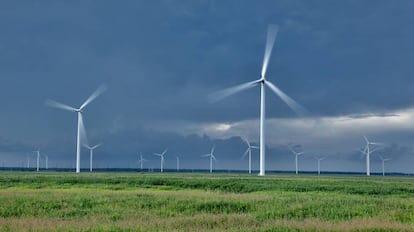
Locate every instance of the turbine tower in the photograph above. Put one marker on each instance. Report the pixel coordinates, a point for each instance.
(271, 37)
(319, 159)
(28, 161)
(46, 161)
(297, 154)
(91, 148)
(81, 127)
(211, 155)
(37, 159)
(249, 151)
(161, 158)
(178, 163)
(383, 164)
(141, 161)
(367, 151)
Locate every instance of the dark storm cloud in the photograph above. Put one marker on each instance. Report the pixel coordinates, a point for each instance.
(160, 60)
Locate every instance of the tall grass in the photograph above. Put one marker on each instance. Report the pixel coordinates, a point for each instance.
(186, 202)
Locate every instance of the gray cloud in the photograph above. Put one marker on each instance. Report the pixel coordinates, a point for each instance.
(348, 62)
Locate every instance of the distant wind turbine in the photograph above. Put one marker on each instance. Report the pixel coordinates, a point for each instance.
(81, 127)
(319, 159)
(297, 154)
(249, 152)
(37, 160)
(211, 155)
(367, 152)
(91, 149)
(162, 159)
(383, 164)
(178, 163)
(271, 37)
(141, 161)
(46, 161)
(28, 161)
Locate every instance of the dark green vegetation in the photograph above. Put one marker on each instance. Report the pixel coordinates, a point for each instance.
(197, 202)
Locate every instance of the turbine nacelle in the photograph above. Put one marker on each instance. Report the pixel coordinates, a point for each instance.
(262, 79)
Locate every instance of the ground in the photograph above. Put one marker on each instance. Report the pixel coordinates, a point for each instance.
(57, 201)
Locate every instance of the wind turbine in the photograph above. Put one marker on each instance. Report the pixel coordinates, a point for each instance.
(178, 163)
(38, 159)
(211, 157)
(46, 161)
(271, 37)
(28, 161)
(81, 127)
(383, 164)
(249, 151)
(367, 151)
(162, 158)
(91, 148)
(297, 154)
(141, 161)
(319, 159)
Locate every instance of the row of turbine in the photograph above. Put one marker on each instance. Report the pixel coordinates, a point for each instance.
(271, 37)
(296, 107)
(38, 156)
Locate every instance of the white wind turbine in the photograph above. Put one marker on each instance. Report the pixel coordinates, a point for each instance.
(297, 154)
(383, 164)
(81, 128)
(91, 149)
(28, 161)
(367, 151)
(249, 151)
(37, 160)
(46, 161)
(319, 159)
(161, 158)
(271, 37)
(141, 161)
(178, 163)
(211, 155)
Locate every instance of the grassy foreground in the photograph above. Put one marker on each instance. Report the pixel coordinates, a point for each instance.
(200, 202)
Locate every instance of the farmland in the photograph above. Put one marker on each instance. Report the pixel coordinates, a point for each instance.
(54, 201)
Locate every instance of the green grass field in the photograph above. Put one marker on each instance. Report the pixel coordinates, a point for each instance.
(202, 202)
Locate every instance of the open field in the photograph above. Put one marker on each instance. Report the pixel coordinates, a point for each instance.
(199, 202)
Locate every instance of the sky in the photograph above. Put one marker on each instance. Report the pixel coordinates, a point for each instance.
(349, 63)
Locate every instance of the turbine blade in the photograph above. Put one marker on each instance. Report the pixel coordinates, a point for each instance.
(255, 147)
(94, 95)
(165, 151)
(245, 153)
(59, 105)
(214, 158)
(375, 143)
(366, 140)
(206, 155)
(157, 154)
(298, 109)
(246, 141)
(212, 149)
(98, 145)
(270, 40)
(219, 95)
